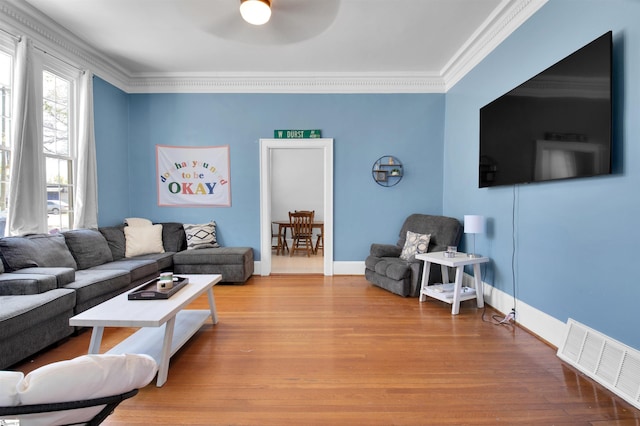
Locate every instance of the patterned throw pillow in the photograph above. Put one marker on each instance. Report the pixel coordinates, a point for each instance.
(201, 236)
(414, 244)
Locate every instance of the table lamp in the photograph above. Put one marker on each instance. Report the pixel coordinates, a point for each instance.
(473, 224)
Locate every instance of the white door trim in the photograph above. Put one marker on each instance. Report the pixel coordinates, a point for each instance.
(266, 146)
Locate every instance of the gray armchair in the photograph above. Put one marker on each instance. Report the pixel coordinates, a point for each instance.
(384, 267)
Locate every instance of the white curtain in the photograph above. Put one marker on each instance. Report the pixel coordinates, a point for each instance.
(86, 193)
(27, 195)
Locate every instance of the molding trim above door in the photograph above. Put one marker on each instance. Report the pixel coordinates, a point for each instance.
(266, 146)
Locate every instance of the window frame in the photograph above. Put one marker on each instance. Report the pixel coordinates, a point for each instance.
(62, 70)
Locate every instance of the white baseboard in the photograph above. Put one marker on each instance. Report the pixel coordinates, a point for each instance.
(536, 321)
(339, 268)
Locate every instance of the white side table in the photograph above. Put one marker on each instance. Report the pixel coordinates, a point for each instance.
(451, 293)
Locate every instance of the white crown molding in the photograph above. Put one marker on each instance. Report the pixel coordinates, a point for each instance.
(288, 83)
(506, 18)
(23, 19)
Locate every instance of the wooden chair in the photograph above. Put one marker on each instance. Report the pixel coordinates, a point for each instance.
(301, 231)
(319, 242)
(280, 240)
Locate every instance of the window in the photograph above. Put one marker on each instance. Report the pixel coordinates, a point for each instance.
(5, 135)
(57, 103)
(58, 92)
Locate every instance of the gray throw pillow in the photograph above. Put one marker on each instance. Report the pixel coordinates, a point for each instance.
(88, 247)
(116, 240)
(173, 237)
(36, 250)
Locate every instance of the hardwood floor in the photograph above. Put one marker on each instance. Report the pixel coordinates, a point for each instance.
(315, 350)
(297, 264)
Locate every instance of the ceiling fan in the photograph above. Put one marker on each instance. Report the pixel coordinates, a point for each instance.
(291, 21)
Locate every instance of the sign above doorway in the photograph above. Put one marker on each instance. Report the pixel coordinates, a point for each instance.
(296, 134)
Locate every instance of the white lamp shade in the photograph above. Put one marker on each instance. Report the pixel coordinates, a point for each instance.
(473, 224)
(255, 12)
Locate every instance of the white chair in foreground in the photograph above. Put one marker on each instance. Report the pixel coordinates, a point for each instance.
(84, 390)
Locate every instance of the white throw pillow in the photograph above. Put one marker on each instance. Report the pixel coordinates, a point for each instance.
(9, 381)
(84, 377)
(137, 221)
(414, 244)
(143, 240)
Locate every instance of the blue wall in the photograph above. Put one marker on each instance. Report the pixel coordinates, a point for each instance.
(111, 113)
(576, 242)
(364, 127)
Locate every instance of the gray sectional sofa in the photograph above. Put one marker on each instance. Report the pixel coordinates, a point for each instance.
(46, 279)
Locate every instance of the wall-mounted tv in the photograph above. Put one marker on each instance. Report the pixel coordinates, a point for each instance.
(557, 125)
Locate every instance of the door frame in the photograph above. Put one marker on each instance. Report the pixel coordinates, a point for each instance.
(266, 148)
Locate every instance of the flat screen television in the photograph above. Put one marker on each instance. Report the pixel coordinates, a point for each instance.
(557, 125)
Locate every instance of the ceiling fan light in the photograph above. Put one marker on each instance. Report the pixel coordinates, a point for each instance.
(255, 12)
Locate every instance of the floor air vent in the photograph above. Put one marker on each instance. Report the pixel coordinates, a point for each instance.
(607, 361)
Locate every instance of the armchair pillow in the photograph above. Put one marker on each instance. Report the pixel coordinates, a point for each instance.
(414, 244)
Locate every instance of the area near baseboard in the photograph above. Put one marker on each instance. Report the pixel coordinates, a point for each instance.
(607, 361)
(537, 322)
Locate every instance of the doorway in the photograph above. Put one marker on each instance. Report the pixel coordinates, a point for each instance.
(267, 147)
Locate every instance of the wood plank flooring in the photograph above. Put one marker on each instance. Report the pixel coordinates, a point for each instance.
(315, 350)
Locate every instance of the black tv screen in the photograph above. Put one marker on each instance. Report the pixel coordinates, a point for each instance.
(557, 125)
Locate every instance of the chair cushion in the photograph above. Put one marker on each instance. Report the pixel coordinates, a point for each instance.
(143, 240)
(9, 388)
(81, 378)
(201, 236)
(393, 267)
(415, 243)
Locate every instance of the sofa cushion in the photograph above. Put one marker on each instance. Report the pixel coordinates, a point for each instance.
(88, 247)
(35, 250)
(91, 284)
(201, 236)
(137, 268)
(213, 256)
(164, 260)
(63, 276)
(20, 313)
(415, 243)
(115, 238)
(173, 237)
(143, 240)
(14, 283)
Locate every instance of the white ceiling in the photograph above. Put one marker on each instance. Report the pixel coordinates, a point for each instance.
(160, 38)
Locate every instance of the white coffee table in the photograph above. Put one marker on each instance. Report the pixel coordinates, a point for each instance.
(150, 315)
